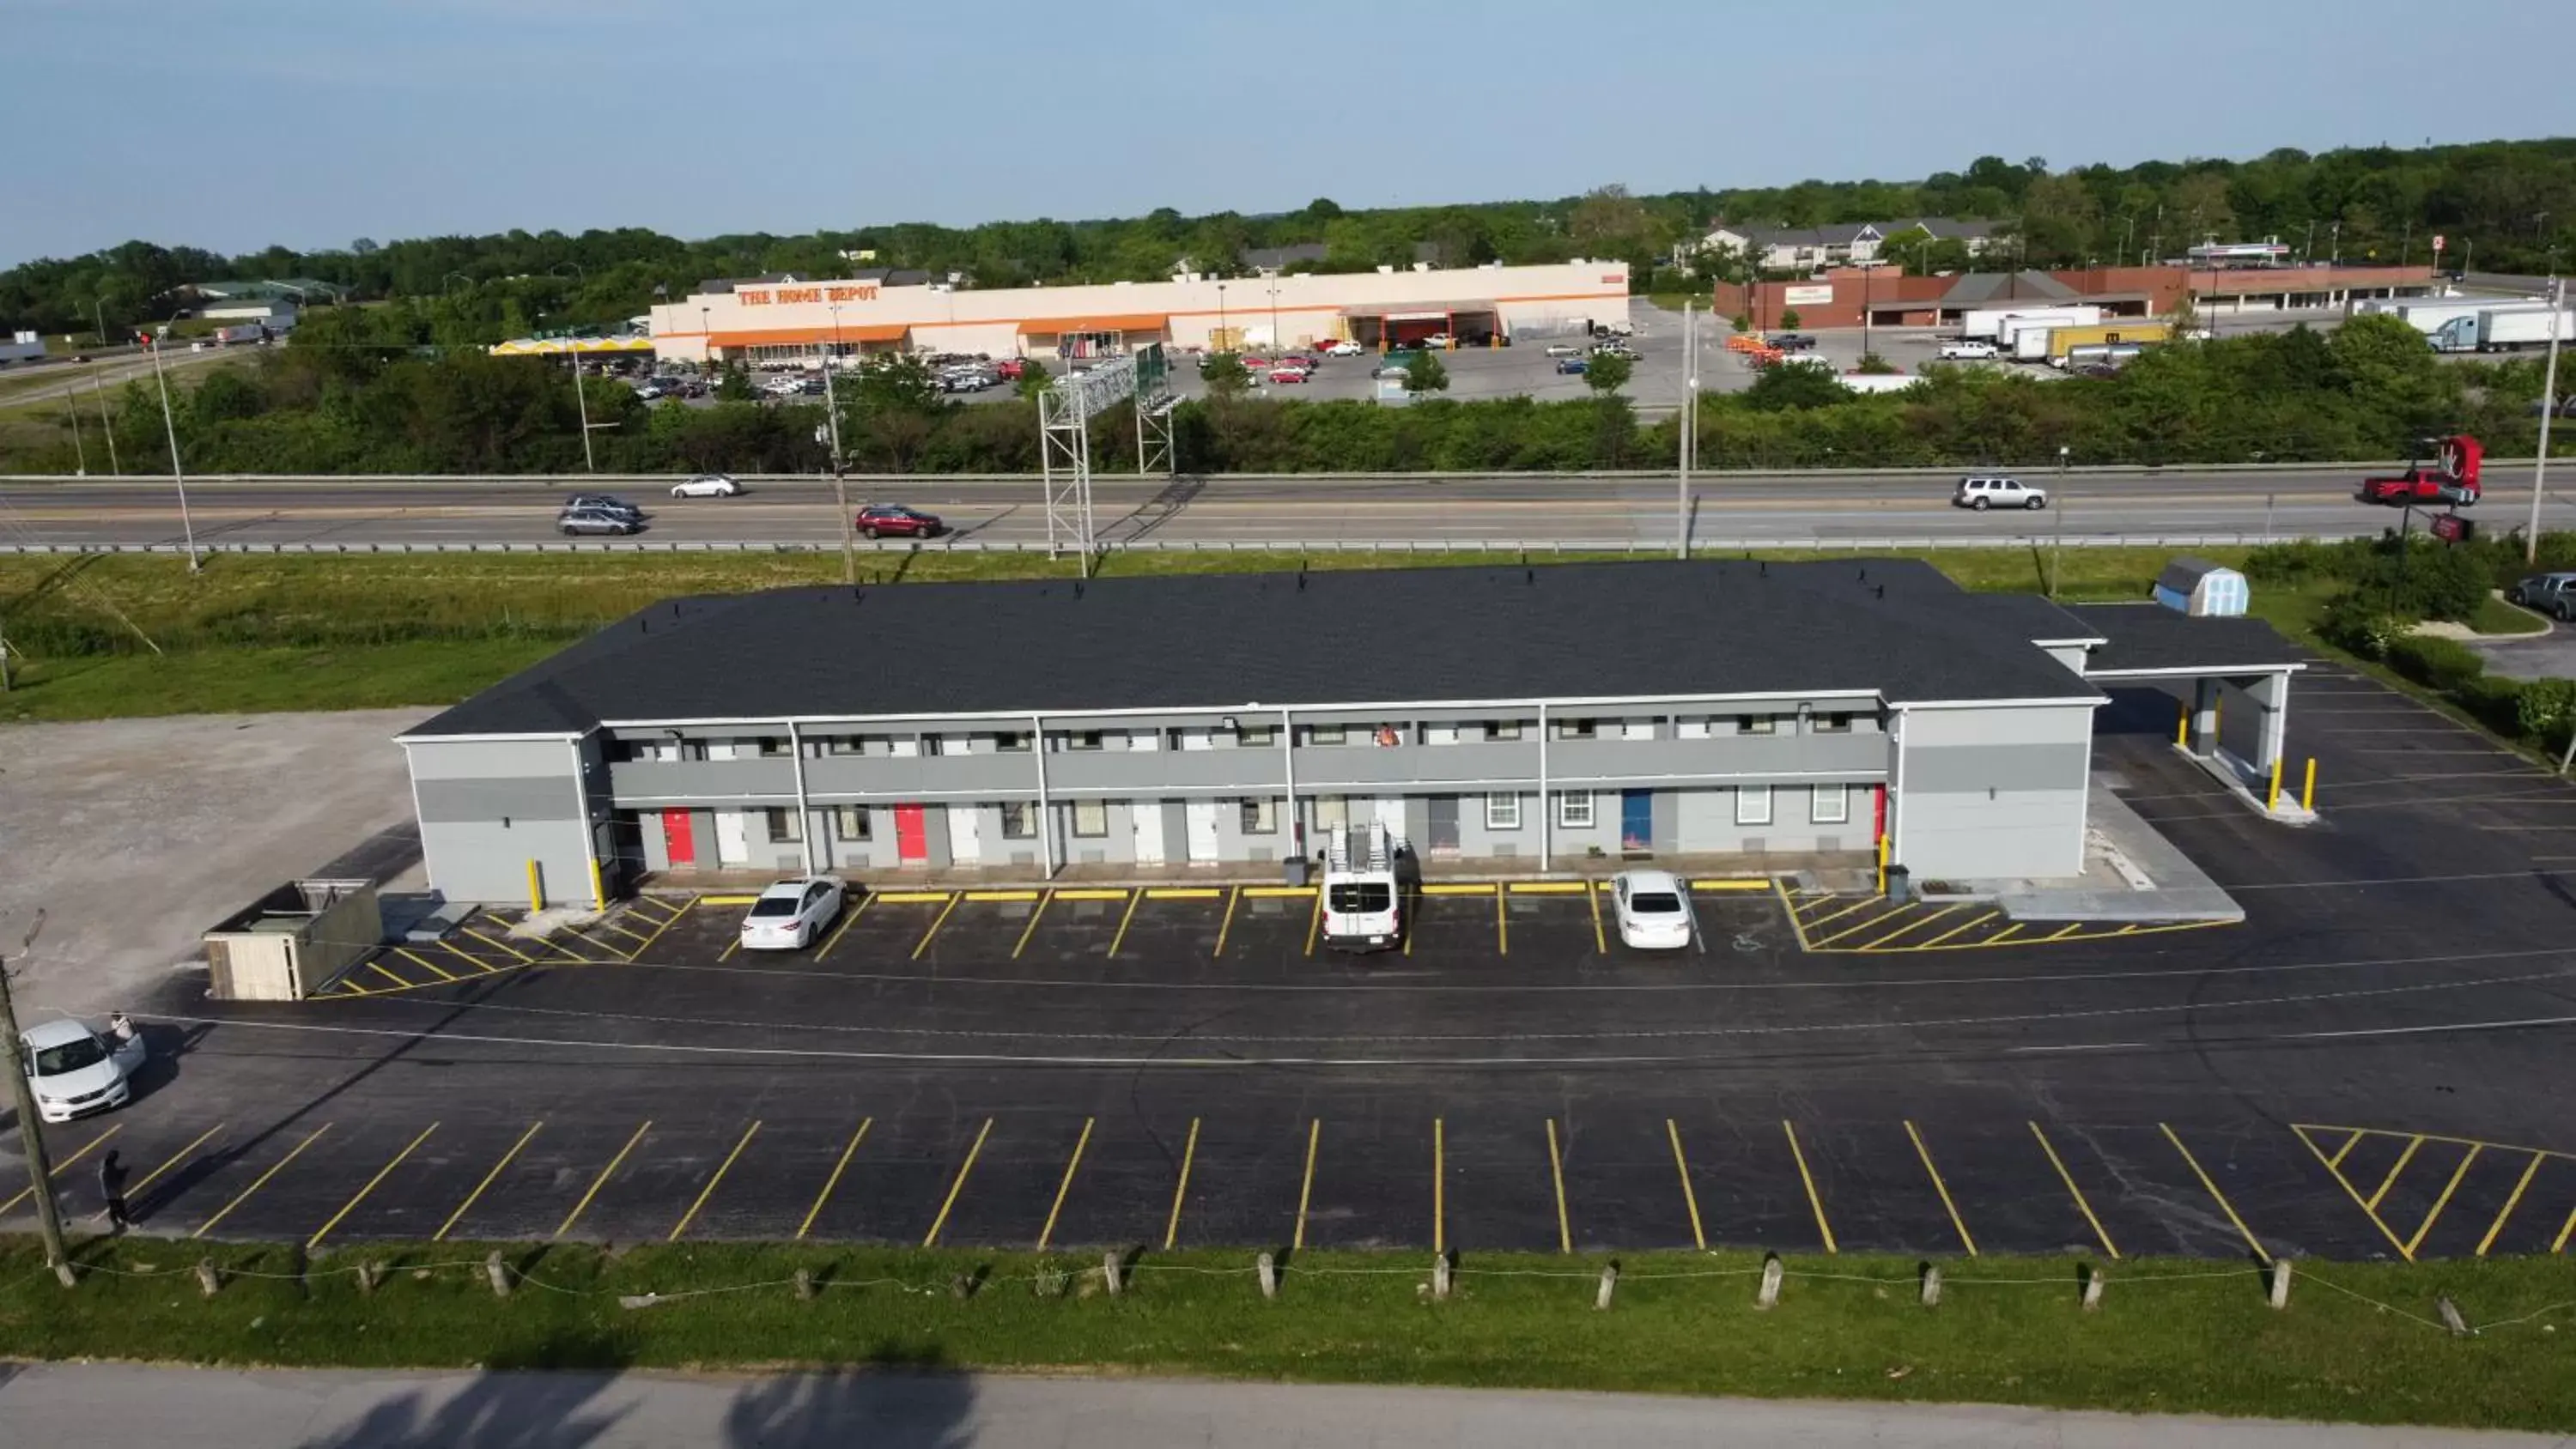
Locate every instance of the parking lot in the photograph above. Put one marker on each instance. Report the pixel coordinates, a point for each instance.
(2368, 1066)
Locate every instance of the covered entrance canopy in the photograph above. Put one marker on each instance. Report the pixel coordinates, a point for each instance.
(1395, 324)
(2231, 674)
(1106, 335)
(771, 344)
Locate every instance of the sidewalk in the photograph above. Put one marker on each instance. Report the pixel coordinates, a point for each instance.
(2131, 873)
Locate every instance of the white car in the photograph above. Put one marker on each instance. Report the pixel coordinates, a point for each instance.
(1981, 494)
(1563, 349)
(1969, 351)
(1343, 348)
(76, 1071)
(1438, 339)
(707, 485)
(1653, 909)
(790, 914)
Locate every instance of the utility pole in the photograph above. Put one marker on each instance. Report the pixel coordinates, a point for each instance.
(2548, 410)
(105, 424)
(840, 478)
(80, 451)
(1688, 435)
(588, 464)
(178, 475)
(2057, 518)
(40, 1167)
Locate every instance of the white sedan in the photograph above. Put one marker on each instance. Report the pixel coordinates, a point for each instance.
(791, 913)
(1343, 348)
(1563, 349)
(1653, 908)
(707, 485)
(76, 1071)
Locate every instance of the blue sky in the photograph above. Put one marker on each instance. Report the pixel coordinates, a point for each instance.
(238, 123)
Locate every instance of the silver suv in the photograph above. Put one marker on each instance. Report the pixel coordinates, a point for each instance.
(596, 520)
(1991, 492)
(2553, 594)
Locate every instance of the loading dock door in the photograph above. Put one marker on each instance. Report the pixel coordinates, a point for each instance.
(679, 840)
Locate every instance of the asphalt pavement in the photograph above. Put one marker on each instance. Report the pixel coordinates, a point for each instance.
(267, 1409)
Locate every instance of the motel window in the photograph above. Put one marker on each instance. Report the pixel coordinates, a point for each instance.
(1836, 723)
(1757, 724)
(768, 746)
(1019, 820)
(1261, 816)
(1574, 810)
(784, 824)
(1083, 740)
(1503, 729)
(1577, 729)
(1011, 742)
(1753, 805)
(850, 822)
(1325, 734)
(843, 745)
(1691, 727)
(1502, 812)
(1261, 736)
(1832, 806)
(1091, 818)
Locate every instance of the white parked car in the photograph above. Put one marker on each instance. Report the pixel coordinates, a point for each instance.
(790, 914)
(76, 1071)
(1438, 339)
(1653, 909)
(1343, 348)
(1984, 493)
(1968, 351)
(1563, 349)
(707, 485)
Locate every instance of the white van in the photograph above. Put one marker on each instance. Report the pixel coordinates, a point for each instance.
(1363, 904)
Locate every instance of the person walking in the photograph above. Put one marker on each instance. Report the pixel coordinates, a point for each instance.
(111, 1186)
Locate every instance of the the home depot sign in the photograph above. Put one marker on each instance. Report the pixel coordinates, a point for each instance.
(782, 296)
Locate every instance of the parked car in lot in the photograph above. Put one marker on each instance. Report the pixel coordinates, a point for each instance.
(1793, 342)
(1573, 365)
(2553, 594)
(1285, 373)
(1400, 360)
(1653, 910)
(707, 485)
(893, 520)
(1439, 339)
(1010, 369)
(574, 521)
(1563, 349)
(1614, 348)
(1991, 492)
(1344, 348)
(601, 503)
(791, 913)
(1967, 350)
(75, 1071)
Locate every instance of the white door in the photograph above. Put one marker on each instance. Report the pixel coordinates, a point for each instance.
(1148, 815)
(965, 833)
(1198, 739)
(1390, 813)
(733, 842)
(1202, 831)
(905, 745)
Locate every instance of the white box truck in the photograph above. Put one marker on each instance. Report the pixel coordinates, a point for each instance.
(2029, 341)
(2431, 317)
(2500, 330)
(1988, 322)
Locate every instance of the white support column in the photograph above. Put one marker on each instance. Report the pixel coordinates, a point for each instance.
(1546, 807)
(589, 838)
(1046, 814)
(2276, 721)
(1896, 796)
(1288, 762)
(804, 811)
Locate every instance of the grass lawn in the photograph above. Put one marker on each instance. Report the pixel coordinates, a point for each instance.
(302, 632)
(2178, 1336)
(2498, 619)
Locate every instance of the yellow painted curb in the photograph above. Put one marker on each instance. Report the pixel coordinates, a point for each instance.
(727, 900)
(1547, 887)
(1183, 893)
(1001, 895)
(1731, 884)
(1484, 889)
(911, 898)
(1275, 892)
(1091, 895)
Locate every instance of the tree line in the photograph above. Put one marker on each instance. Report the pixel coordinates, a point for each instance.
(2507, 206)
(366, 392)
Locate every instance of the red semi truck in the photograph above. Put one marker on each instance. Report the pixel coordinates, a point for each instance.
(2451, 478)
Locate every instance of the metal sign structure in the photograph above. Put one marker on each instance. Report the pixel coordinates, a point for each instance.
(1065, 411)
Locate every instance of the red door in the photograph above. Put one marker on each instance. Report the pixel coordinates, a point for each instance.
(679, 839)
(911, 836)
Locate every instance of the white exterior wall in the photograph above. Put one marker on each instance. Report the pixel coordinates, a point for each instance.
(1995, 791)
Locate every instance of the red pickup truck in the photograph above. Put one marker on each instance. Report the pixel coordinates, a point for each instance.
(2451, 478)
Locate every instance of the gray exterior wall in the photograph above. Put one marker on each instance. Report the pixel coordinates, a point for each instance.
(1993, 792)
(488, 807)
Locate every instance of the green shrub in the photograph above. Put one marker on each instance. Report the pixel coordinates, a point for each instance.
(2444, 664)
(2424, 579)
(2494, 701)
(2544, 709)
(2307, 558)
(2356, 622)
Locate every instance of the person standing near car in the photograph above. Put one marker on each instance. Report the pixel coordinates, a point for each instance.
(112, 1175)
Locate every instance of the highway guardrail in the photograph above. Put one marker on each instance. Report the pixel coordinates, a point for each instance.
(1699, 546)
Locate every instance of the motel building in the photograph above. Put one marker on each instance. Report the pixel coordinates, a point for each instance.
(789, 319)
(1496, 720)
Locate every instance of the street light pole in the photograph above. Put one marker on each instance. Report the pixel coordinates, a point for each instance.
(2548, 410)
(40, 1168)
(1687, 436)
(105, 424)
(178, 475)
(840, 478)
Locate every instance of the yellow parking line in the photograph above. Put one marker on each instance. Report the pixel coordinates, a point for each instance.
(2441, 1202)
(910, 898)
(488, 941)
(2006, 934)
(476, 965)
(1849, 931)
(1030, 929)
(1545, 887)
(400, 982)
(931, 1239)
(709, 1190)
(1315, 923)
(324, 1231)
(2348, 1144)
(834, 1180)
(1232, 899)
(2335, 1171)
(506, 1157)
(1824, 1228)
(1124, 917)
(621, 930)
(1942, 1188)
(175, 1158)
(1185, 893)
(1690, 1199)
(1864, 903)
(1502, 928)
(1278, 892)
(1787, 908)
(2511, 1201)
(1733, 883)
(2394, 1168)
(1959, 930)
(1875, 942)
(936, 922)
(1439, 1188)
(77, 1154)
(1106, 893)
(1047, 1234)
(1556, 1170)
(668, 922)
(2559, 1243)
(261, 1181)
(601, 1181)
(1600, 941)
(426, 964)
(1306, 1187)
(728, 900)
(2077, 1193)
(1181, 1189)
(2215, 1195)
(1409, 920)
(849, 918)
(2066, 931)
(1461, 888)
(1001, 895)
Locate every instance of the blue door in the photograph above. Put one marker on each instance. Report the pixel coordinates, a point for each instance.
(1636, 820)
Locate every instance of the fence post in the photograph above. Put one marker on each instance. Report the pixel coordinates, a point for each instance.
(2280, 1282)
(1268, 1268)
(1440, 1277)
(2092, 1287)
(2451, 1318)
(370, 1274)
(1113, 1273)
(498, 1273)
(1931, 1285)
(804, 1285)
(1609, 1284)
(1769, 1294)
(208, 1280)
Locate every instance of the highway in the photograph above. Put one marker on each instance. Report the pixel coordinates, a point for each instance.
(1321, 511)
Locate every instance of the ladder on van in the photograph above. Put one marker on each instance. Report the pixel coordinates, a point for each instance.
(1380, 850)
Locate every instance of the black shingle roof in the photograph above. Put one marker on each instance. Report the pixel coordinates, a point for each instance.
(2151, 636)
(1893, 627)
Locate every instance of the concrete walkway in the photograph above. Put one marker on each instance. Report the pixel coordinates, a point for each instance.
(56, 1404)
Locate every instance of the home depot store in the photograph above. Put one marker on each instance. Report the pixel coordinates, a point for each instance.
(1840, 296)
(787, 318)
